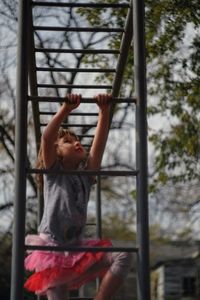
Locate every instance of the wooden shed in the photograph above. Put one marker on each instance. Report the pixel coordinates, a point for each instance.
(176, 279)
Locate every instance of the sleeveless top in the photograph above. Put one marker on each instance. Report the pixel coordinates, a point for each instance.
(65, 204)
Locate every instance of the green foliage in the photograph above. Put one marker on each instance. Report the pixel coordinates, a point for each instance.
(173, 69)
(156, 234)
(175, 82)
(173, 86)
(115, 228)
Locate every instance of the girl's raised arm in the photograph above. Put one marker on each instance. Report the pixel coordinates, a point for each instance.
(50, 134)
(101, 134)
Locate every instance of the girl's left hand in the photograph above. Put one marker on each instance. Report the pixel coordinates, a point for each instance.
(72, 102)
(103, 101)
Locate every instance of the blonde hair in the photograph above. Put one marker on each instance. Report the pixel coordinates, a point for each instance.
(40, 160)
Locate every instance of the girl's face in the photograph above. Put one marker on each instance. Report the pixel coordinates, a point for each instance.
(70, 150)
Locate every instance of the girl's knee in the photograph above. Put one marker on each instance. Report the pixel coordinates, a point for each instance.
(122, 263)
(123, 257)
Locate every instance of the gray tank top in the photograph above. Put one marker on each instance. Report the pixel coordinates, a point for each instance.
(65, 204)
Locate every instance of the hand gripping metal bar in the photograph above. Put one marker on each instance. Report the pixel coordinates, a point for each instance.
(83, 100)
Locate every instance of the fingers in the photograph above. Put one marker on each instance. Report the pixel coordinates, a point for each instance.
(73, 98)
(72, 101)
(103, 99)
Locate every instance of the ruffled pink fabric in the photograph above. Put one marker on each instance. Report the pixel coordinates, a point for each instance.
(56, 268)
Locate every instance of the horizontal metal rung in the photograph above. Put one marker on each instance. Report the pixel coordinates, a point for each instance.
(83, 51)
(82, 249)
(86, 4)
(83, 100)
(85, 172)
(81, 298)
(78, 29)
(51, 113)
(71, 70)
(90, 224)
(82, 136)
(73, 125)
(75, 86)
(84, 114)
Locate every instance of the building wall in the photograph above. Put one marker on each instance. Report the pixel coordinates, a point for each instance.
(157, 284)
(177, 280)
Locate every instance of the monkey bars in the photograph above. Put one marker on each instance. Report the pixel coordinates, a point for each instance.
(28, 89)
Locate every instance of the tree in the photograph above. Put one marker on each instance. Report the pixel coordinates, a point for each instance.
(173, 50)
(173, 55)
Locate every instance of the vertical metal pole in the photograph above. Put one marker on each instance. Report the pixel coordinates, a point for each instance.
(98, 209)
(17, 277)
(98, 218)
(141, 149)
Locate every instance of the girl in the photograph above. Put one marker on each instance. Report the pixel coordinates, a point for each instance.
(66, 197)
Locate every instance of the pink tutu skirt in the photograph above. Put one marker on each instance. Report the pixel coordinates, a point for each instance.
(57, 268)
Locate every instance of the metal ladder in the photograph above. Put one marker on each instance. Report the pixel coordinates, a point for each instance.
(27, 71)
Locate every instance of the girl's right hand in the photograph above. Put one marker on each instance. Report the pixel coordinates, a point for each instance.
(72, 102)
(103, 101)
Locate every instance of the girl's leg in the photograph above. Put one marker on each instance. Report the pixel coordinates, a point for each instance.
(109, 287)
(58, 293)
(119, 267)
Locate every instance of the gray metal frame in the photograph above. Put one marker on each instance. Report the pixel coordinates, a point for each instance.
(141, 150)
(134, 23)
(20, 153)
